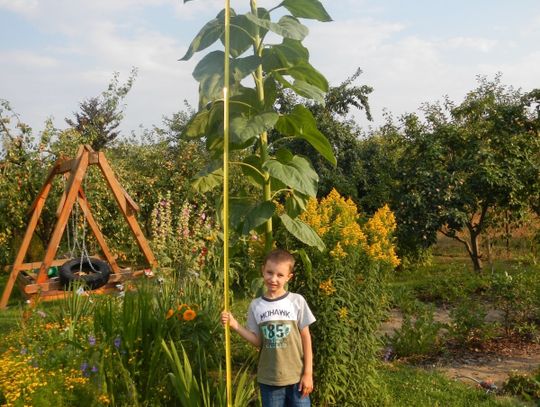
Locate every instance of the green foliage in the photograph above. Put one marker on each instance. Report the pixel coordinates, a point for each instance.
(205, 391)
(515, 293)
(419, 334)
(524, 386)
(253, 112)
(468, 323)
(100, 116)
(348, 299)
(418, 387)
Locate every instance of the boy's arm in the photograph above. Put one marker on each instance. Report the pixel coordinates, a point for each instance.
(243, 332)
(306, 383)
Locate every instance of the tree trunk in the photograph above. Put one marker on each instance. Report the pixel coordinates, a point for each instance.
(474, 251)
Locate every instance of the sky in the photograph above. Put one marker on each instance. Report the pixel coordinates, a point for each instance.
(56, 53)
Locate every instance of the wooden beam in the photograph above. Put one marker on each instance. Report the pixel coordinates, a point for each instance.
(38, 207)
(36, 265)
(67, 165)
(73, 189)
(83, 203)
(121, 199)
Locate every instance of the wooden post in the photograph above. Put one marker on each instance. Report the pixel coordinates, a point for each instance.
(126, 208)
(37, 207)
(97, 231)
(73, 189)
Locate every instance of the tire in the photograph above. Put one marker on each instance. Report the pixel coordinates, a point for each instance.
(73, 270)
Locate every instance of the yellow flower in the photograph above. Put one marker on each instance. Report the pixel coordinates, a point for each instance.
(343, 313)
(327, 287)
(189, 315)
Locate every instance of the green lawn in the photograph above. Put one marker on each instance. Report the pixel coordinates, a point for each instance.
(416, 387)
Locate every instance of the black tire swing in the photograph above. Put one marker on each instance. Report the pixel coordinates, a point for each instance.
(92, 272)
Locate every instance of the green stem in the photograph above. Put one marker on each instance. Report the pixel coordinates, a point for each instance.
(259, 83)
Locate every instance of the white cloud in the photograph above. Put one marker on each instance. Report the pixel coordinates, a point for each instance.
(26, 7)
(477, 44)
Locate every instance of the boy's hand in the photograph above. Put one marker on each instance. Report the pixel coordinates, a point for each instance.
(306, 384)
(228, 317)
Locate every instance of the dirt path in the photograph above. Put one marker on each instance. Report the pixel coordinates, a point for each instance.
(493, 366)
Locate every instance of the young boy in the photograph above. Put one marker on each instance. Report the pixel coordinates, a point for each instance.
(278, 324)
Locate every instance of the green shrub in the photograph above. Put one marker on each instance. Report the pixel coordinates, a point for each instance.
(525, 386)
(419, 334)
(515, 293)
(348, 298)
(468, 326)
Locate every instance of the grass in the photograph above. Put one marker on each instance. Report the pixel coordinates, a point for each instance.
(417, 387)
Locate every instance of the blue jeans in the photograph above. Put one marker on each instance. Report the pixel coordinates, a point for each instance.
(283, 396)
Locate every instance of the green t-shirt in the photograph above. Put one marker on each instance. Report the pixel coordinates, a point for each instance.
(279, 322)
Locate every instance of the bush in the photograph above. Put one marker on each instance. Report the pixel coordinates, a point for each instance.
(468, 326)
(525, 386)
(419, 334)
(346, 288)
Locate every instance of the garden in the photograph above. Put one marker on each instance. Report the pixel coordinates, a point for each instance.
(416, 244)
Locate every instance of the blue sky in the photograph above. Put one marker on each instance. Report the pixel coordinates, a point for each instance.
(56, 53)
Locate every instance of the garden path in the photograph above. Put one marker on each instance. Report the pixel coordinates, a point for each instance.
(492, 364)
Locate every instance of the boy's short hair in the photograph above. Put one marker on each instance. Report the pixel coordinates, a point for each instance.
(279, 256)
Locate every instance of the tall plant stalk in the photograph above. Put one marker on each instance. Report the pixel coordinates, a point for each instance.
(280, 175)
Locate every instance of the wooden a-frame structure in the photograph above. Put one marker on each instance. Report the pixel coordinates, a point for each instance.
(39, 283)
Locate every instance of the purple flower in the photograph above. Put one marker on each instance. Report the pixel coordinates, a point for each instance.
(92, 340)
(84, 366)
(94, 369)
(117, 342)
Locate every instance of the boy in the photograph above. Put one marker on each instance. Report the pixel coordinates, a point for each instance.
(278, 324)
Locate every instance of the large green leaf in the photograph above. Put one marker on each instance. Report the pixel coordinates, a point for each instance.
(209, 178)
(304, 71)
(287, 26)
(210, 33)
(302, 231)
(238, 207)
(312, 9)
(308, 91)
(301, 123)
(296, 203)
(296, 173)
(254, 176)
(242, 35)
(209, 73)
(258, 215)
(243, 128)
(196, 127)
(282, 56)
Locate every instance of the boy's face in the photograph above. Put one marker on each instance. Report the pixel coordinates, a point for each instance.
(276, 275)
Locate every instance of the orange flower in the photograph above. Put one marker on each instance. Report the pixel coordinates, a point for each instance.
(170, 313)
(182, 306)
(189, 315)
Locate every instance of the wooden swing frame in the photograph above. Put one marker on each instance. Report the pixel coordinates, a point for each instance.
(39, 284)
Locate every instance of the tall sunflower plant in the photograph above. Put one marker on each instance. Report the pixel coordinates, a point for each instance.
(279, 174)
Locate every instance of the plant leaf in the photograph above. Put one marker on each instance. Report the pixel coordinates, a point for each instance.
(209, 73)
(258, 215)
(296, 173)
(302, 232)
(244, 129)
(209, 178)
(210, 33)
(253, 176)
(308, 91)
(312, 9)
(287, 26)
(301, 123)
(242, 35)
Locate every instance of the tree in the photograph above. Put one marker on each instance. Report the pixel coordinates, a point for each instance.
(468, 161)
(100, 116)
